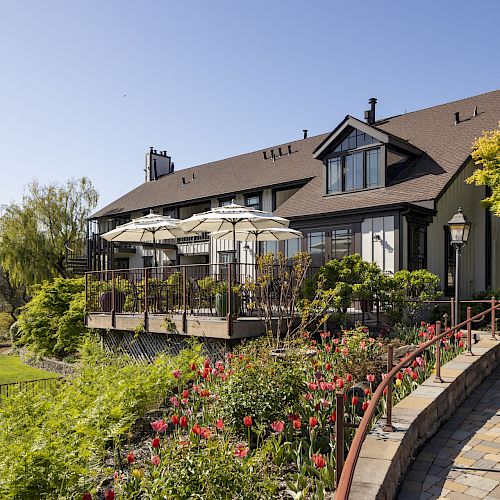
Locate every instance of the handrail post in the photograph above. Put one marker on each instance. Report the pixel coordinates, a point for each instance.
(184, 299)
(113, 299)
(438, 378)
(388, 427)
(493, 318)
(469, 332)
(339, 435)
(452, 312)
(229, 302)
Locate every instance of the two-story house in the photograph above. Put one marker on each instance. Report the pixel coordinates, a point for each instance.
(384, 188)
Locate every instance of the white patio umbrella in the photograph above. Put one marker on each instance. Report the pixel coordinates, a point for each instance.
(233, 218)
(151, 227)
(256, 235)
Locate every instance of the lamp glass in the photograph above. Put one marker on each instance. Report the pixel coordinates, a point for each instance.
(457, 233)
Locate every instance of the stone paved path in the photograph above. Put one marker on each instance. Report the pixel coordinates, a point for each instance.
(462, 461)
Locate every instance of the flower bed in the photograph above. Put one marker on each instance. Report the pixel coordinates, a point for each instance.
(259, 427)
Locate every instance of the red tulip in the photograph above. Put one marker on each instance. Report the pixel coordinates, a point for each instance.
(296, 424)
(159, 425)
(367, 392)
(328, 367)
(414, 375)
(319, 460)
(247, 421)
(312, 386)
(348, 377)
(175, 419)
(370, 377)
(193, 367)
(399, 376)
(333, 417)
(278, 426)
(87, 496)
(109, 495)
(196, 429)
(219, 424)
(155, 443)
(241, 451)
(131, 457)
(183, 422)
(364, 406)
(354, 400)
(340, 383)
(155, 460)
(313, 422)
(185, 393)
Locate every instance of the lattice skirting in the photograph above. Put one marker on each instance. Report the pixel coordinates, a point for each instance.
(146, 346)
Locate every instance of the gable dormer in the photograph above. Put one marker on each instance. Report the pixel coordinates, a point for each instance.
(356, 155)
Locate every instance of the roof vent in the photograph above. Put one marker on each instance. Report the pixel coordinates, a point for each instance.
(475, 112)
(280, 153)
(265, 155)
(272, 154)
(289, 149)
(183, 181)
(305, 133)
(370, 113)
(457, 117)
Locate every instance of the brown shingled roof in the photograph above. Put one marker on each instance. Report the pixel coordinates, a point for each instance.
(446, 147)
(224, 177)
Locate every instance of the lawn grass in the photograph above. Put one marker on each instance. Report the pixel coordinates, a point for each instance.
(13, 370)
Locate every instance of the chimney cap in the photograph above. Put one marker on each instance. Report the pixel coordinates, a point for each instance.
(305, 133)
(457, 117)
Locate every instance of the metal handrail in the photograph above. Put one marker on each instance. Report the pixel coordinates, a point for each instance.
(344, 485)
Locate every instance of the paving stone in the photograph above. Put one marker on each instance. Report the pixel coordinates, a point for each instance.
(453, 486)
(473, 454)
(477, 482)
(476, 493)
(495, 493)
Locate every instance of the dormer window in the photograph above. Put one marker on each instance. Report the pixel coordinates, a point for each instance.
(353, 170)
(356, 156)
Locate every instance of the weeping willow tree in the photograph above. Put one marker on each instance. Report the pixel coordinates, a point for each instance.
(35, 235)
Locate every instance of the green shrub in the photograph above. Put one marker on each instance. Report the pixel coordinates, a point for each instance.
(52, 323)
(210, 471)
(5, 323)
(55, 443)
(405, 294)
(265, 388)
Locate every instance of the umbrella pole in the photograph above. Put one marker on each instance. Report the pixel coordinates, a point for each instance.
(154, 249)
(234, 241)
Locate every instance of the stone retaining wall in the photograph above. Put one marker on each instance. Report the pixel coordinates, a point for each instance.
(386, 456)
(51, 365)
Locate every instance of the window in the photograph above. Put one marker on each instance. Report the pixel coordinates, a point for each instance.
(225, 202)
(121, 263)
(270, 247)
(354, 140)
(170, 212)
(355, 171)
(417, 246)
(253, 201)
(316, 247)
(147, 261)
(292, 247)
(341, 243)
(226, 257)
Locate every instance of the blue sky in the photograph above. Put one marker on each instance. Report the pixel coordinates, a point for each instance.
(88, 86)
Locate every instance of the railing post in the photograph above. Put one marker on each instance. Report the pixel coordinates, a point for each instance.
(452, 312)
(445, 321)
(493, 318)
(146, 298)
(388, 427)
(438, 378)
(378, 311)
(113, 299)
(184, 300)
(469, 332)
(339, 435)
(229, 301)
